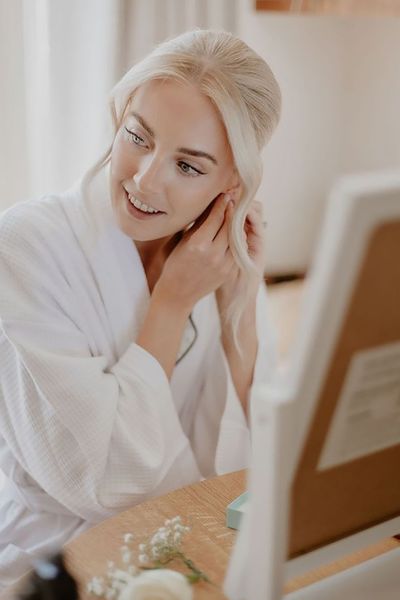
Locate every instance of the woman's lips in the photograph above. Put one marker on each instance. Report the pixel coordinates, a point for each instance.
(138, 213)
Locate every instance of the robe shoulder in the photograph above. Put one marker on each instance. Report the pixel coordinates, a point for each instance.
(39, 254)
(32, 223)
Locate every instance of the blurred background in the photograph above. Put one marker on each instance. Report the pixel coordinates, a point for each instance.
(338, 64)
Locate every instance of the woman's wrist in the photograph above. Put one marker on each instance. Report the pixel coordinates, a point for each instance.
(162, 328)
(242, 364)
(173, 303)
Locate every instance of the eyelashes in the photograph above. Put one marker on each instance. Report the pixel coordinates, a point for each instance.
(132, 136)
(185, 168)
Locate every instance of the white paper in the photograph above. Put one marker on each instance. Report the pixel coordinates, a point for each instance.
(367, 415)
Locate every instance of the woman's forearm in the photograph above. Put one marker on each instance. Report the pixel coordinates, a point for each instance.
(242, 368)
(162, 330)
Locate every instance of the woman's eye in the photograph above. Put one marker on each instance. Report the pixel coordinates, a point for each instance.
(188, 169)
(134, 137)
(184, 167)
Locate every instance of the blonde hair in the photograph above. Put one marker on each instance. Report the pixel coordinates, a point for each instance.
(245, 92)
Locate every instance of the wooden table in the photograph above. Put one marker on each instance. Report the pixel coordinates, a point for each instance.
(202, 506)
(208, 544)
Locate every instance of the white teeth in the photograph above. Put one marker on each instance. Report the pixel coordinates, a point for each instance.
(141, 205)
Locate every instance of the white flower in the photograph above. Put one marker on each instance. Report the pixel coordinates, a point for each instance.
(96, 586)
(126, 556)
(163, 584)
(177, 537)
(120, 579)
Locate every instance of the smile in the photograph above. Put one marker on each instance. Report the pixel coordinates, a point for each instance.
(142, 206)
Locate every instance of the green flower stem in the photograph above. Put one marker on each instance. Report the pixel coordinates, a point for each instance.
(193, 577)
(196, 574)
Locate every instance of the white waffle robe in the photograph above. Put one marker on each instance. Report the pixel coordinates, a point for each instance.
(89, 423)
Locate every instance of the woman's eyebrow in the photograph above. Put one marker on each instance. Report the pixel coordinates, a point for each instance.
(199, 153)
(142, 122)
(191, 152)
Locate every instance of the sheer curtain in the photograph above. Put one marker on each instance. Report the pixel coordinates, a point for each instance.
(58, 61)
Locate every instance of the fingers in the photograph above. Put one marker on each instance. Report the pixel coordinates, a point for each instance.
(221, 240)
(255, 210)
(200, 220)
(211, 222)
(254, 217)
(219, 246)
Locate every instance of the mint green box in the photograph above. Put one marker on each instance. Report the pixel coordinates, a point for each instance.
(235, 510)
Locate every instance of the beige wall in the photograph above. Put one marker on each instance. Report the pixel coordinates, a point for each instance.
(340, 79)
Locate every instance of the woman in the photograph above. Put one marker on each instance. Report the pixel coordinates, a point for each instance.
(134, 325)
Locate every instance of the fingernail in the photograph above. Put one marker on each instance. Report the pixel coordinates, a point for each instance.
(227, 198)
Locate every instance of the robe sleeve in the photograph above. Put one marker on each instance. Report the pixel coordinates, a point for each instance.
(96, 438)
(221, 436)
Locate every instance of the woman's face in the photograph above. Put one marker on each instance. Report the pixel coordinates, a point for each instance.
(170, 155)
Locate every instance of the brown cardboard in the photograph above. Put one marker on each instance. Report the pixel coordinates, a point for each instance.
(334, 503)
(333, 7)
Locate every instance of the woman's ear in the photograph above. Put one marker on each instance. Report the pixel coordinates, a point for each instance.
(235, 187)
(235, 191)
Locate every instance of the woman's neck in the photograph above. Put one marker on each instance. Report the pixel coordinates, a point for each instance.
(154, 253)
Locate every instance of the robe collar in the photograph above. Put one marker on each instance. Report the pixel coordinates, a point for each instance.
(116, 265)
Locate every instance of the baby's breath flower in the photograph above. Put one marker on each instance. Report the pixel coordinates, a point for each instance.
(163, 546)
(126, 557)
(177, 537)
(126, 554)
(120, 579)
(110, 568)
(96, 586)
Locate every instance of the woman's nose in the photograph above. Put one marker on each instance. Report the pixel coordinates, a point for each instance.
(148, 177)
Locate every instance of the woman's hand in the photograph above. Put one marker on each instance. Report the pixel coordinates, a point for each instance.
(202, 261)
(254, 238)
